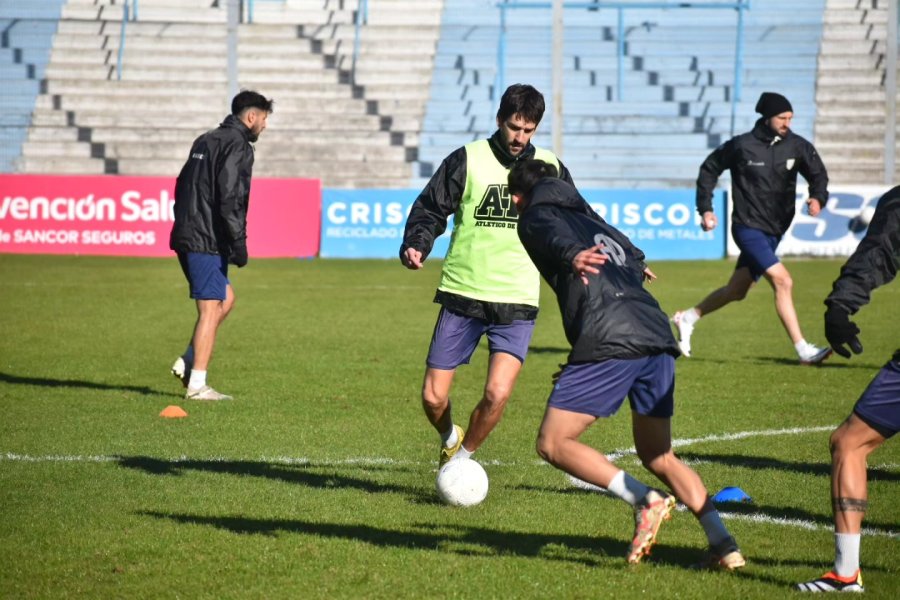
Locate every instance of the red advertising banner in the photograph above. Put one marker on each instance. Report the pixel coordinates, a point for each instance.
(132, 216)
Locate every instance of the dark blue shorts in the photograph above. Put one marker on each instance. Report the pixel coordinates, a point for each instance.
(456, 337)
(599, 388)
(879, 405)
(207, 274)
(757, 249)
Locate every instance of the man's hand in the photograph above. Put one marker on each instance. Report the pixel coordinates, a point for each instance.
(412, 259)
(649, 276)
(239, 254)
(587, 261)
(840, 330)
(813, 207)
(708, 221)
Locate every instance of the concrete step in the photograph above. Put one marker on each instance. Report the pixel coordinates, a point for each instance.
(56, 148)
(61, 165)
(832, 17)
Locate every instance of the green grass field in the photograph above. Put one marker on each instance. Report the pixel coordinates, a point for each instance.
(317, 481)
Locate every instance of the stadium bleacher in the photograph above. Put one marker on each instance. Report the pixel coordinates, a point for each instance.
(389, 122)
(25, 42)
(675, 105)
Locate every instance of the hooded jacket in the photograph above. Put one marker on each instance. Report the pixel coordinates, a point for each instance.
(764, 169)
(443, 196)
(611, 317)
(212, 193)
(875, 261)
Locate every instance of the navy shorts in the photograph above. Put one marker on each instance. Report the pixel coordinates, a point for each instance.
(879, 405)
(599, 388)
(207, 274)
(456, 337)
(757, 249)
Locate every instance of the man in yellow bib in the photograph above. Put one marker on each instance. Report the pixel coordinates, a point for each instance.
(488, 286)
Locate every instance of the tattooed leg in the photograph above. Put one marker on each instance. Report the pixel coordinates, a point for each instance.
(849, 505)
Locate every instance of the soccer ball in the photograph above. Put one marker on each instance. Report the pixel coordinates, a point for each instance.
(462, 482)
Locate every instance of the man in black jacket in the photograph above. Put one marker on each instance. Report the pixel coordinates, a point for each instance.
(621, 345)
(488, 286)
(876, 415)
(764, 164)
(212, 195)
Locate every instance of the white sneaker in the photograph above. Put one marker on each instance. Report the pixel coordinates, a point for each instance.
(813, 355)
(182, 370)
(205, 393)
(685, 330)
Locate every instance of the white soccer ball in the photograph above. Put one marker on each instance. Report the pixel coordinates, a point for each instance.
(462, 482)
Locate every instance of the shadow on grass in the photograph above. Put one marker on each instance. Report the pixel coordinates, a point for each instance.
(309, 475)
(751, 510)
(835, 362)
(548, 350)
(74, 383)
(456, 539)
(759, 462)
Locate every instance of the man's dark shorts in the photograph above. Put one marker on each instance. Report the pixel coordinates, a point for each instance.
(600, 388)
(456, 337)
(207, 274)
(757, 249)
(879, 405)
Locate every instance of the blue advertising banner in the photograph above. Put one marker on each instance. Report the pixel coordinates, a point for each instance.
(369, 223)
(662, 223)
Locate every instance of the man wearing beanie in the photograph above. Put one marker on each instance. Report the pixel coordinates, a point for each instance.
(764, 164)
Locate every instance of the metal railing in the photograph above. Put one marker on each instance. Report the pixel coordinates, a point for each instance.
(129, 13)
(362, 18)
(740, 6)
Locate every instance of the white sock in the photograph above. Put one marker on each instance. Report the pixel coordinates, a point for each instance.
(198, 379)
(690, 316)
(450, 438)
(846, 554)
(627, 488)
(188, 355)
(462, 453)
(800, 347)
(714, 528)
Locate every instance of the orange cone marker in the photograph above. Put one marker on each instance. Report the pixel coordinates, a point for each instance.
(173, 412)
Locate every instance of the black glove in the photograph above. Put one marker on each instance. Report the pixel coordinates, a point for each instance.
(239, 254)
(840, 330)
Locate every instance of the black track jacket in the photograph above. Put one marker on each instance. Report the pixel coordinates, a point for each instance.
(611, 317)
(212, 193)
(764, 169)
(875, 261)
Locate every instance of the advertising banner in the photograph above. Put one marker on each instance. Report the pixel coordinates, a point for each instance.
(369, 223)
(132, 216)
(662, 223)
(836, 231)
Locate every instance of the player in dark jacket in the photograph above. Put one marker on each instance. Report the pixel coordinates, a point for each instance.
(876, 415)
(212, 195)
(621, 345)
(764, 164)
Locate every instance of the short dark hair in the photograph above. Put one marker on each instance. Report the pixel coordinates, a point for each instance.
(521, 99)
(526, 173)
(250, 99)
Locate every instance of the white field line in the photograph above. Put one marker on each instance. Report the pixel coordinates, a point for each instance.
(615, 454)
(290, 460)
(800, 523)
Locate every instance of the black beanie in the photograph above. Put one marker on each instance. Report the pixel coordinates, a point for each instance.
(771, 104)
